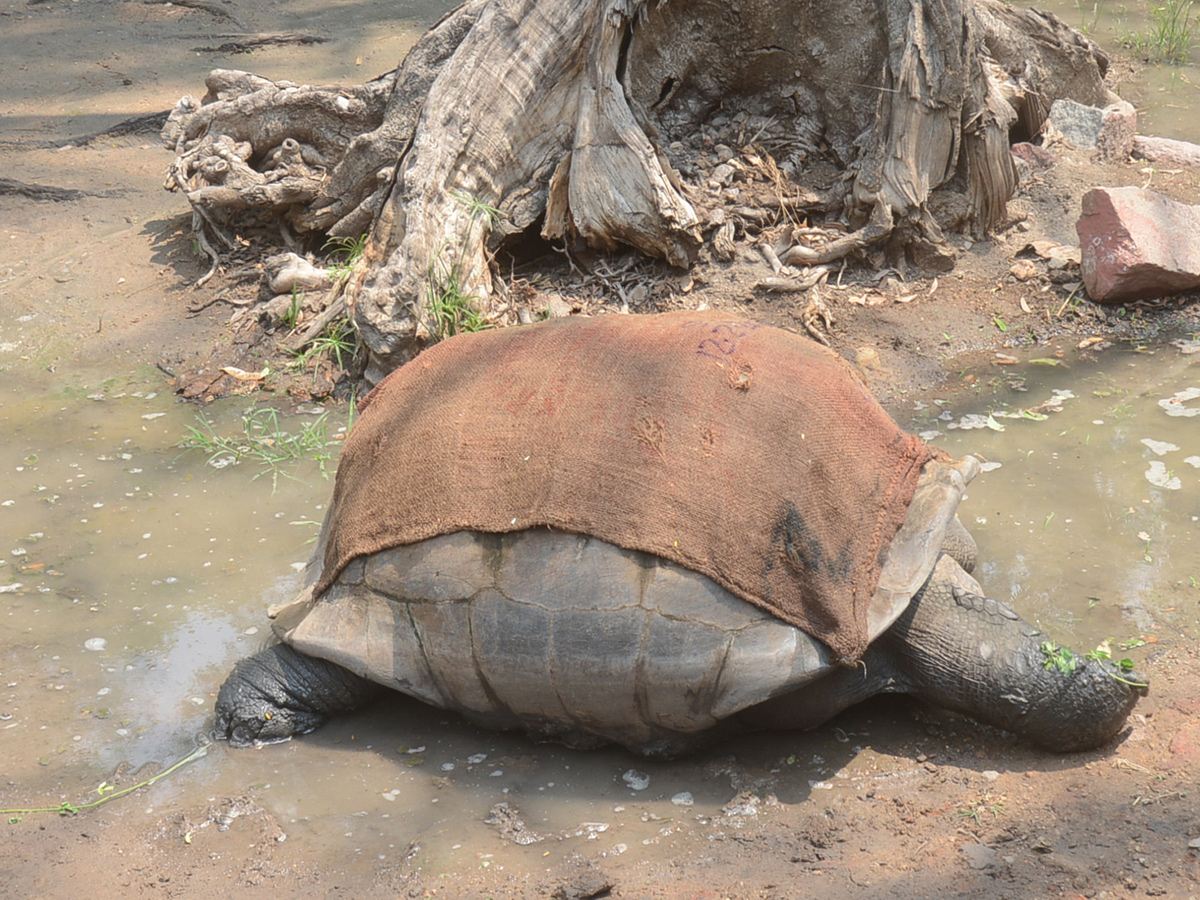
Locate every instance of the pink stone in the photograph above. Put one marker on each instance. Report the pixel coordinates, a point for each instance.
(1114, 143)
(1137, 244)
(1037, 157)
(1166, 152)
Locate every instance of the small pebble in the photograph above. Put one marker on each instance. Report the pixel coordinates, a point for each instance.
(636, 780)
(96, 643)
(683, 798)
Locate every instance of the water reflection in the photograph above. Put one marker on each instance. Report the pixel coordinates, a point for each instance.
(131, 572)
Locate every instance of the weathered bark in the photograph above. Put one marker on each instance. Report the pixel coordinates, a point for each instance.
(511, 115)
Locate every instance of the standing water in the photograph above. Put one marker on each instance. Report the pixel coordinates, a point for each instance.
(1088, 510)
(134, 575)
(1162, 40)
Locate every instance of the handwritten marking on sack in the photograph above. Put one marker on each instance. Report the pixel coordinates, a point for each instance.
(724, 341)
(548, 398)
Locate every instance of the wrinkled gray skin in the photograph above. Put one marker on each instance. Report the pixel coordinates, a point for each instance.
(956, 649)
(572, 639)
(278, 692)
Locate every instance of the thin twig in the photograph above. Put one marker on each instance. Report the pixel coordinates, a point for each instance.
(202, 240)
(68, 809)
(335, 310)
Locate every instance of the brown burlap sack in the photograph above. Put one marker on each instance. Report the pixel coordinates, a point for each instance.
(743, 452)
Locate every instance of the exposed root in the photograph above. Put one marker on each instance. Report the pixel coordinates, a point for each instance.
(810, 279)
(817, 318)
(874, 232)
(257, 145)
(151, 123)
(48, 192)
(239, 42)
(198, 230)
(771, 256)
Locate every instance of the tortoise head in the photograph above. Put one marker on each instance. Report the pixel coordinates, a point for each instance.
(967, 652)
(1074, 702)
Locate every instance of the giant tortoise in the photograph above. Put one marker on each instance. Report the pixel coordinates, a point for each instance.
(444, 573)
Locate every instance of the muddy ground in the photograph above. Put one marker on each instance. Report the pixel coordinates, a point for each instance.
(932, 806)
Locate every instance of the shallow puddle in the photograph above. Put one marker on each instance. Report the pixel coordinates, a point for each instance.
(131, 572)
(1166, 94)
(134, 576)
(1088, 514)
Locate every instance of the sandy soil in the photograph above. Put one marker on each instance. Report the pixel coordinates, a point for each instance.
(936, 807)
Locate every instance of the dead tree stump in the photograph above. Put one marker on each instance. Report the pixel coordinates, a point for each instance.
(575, 118)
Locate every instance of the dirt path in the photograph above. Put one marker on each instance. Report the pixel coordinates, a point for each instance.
(98, 279)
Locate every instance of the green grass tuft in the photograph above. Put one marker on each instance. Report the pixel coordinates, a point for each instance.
(352, 248)
(264, 443)
(338, 343)
(451, 310)
(1171, 35)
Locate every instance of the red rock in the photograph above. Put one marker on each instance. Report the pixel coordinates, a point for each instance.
(1166, 152)
(1037, 157)
(1137, 244)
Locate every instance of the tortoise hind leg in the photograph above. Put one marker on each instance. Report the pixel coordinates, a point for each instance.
(279, 692)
